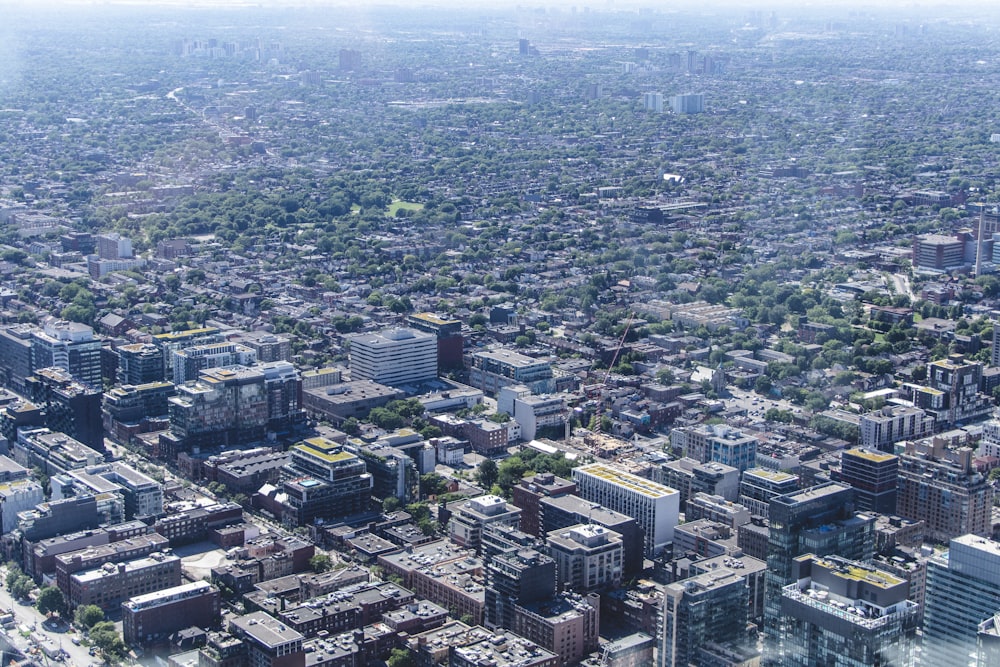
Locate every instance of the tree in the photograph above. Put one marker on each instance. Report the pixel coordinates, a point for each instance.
(106, 638)
(350, 426)
(401, 657)
(320, 563)
(391, 504)
(50, 600)
(433, 484)
(21, 586)
(88, 615)
(487, 474)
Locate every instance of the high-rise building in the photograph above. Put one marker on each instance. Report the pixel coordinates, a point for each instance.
(963, 590)
(653, 102)
(350, 60)
(894, 423)
(873, 475)
(566, 624)
(942, 487)
(178, 340)
(70, 346)
(760, 485)
(588, 558)
(283, 387)
(819, 520)
(394, 357)
(838, 611)
(113, 246)
(703, 609)
(716, 442)
(224, 407)
(493, 369)
(139, 363)
(564, 511)
(15, 355)
(655, 507)
(689, 477)
(530, 490)
(952, 394)
(449, 337)
(468, 519)
(189, 361)
(71, 407)
(690, 103)
(939, 253)
(518, 577)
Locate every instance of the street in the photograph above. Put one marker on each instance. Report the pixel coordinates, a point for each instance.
(51, 636)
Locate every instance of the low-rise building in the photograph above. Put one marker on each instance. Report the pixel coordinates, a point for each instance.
(153, 617)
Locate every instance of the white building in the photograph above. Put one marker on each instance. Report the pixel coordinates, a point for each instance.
(17, 496)
(187, 363)
(882, 429)
(655, 507)
(394, 357)
(588, 557)
(652, 102)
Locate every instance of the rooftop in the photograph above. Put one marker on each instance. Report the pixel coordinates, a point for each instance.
(626, 480)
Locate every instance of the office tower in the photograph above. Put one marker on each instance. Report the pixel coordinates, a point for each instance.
(70, 407)
(837, 612)
(704, 609)
(894, 423)
(588, 558)
(655, 507)
(760, 485)
(70, 346)
(394, 357)
(139, 363)
(818, 520)
(937, 252)
(518, 577)
(963, 590)
(529, 492)
(652, 102)
(716, 442)
(873, 475)
(113, 246)
(283, 387)
(942, 487)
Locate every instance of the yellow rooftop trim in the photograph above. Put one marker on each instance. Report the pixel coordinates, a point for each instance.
(876, 457)
(432, 318)
(185, 333)
(628, 480)
(858, 573)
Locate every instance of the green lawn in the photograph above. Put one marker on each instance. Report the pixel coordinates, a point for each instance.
(398, 204)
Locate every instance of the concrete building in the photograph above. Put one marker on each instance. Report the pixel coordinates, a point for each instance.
(716, 442)
(448, 333)
(69, 406)
(894, 423)
(564, 511)
(718, 509)
(516, 577)
(17, 496)
(500, 649)
(690, 103)
(490, 370)
(188, 362)
(963, 590)
(139, 363)
(760, 485)
(655, 507)
(15, 355)
(153, 617)
(568, 625)
(837, 610)
(652, 102)
(53, 452)
(951, 394)
(443, 573)
(938, 253)
(93, 556)
(394, 357)
(177, 340)
(689, 477)
(538, 415)
(710, 607)
(468, 519)
(588, 558)
(942, 487)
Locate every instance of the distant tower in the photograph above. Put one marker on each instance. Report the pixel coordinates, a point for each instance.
(524, 47)
(653, 102)
(350, 60)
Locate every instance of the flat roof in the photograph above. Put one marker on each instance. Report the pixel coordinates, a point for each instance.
(266, 629)
(626, 480)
